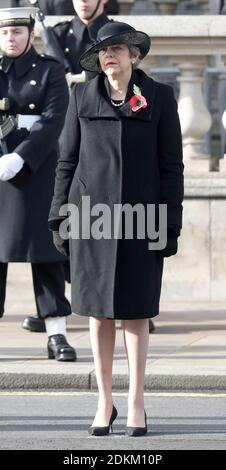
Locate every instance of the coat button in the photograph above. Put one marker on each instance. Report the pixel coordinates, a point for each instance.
(0, 67)
(33, 82)
(32, 106)
(66, 50)
(34, 65)
(71, 31)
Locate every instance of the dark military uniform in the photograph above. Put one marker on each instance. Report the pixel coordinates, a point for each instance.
(75, 37)
(35, 85)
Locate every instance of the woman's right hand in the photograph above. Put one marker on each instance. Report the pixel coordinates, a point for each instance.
(61, 245)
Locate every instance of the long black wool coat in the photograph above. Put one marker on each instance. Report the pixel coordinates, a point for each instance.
(35, 85)
(117, 156)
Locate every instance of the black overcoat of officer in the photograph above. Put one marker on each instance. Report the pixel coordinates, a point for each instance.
(35, 85)
(139, 161)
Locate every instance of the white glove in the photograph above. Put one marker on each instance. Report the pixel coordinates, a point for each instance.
(75, 78)
(10, 165)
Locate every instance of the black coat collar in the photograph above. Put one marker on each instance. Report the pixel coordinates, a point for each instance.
(96, 101)
(21, 65)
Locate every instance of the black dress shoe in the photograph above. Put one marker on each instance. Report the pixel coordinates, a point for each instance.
(151, 326)
(34, 324)
(133, 431)
(104, 430)
(59, 349)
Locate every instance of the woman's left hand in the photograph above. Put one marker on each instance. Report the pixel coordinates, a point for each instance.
(171, 246)
(61, 245)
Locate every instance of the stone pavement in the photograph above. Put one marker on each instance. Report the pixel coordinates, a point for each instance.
(187, 351)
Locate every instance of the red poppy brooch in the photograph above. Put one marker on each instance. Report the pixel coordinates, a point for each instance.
(137, 101)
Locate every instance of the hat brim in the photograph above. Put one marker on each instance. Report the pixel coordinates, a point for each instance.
(90, 61)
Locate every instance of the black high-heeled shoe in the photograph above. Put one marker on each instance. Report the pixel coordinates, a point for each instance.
(104, 430)
(133, 431)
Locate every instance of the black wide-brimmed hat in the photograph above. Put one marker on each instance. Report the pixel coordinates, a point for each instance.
(114, 32)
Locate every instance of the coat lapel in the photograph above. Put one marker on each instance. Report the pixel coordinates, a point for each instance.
(95, 102)
(147, 86)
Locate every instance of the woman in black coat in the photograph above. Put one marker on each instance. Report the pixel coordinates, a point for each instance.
(121, 145)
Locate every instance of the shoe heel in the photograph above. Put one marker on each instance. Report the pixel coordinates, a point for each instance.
(50, 353)
(113, 417)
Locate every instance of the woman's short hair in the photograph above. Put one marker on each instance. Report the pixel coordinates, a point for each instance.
(135, 52)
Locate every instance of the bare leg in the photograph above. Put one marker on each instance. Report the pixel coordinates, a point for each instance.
(136, 337)
(102, 335)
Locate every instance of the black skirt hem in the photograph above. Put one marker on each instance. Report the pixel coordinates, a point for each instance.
(117, 316)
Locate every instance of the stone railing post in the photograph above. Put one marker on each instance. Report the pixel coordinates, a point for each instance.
(223, 160)
(194, 115)
(166, 7)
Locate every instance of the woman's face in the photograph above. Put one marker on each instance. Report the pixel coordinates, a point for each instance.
(13, 40)
(115, 59)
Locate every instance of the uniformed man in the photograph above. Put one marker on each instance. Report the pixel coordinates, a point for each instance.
(75, 36)
(34, 92)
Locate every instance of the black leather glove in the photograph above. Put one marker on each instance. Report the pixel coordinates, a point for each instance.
(61, 245)
(171, 246)
(67, 274)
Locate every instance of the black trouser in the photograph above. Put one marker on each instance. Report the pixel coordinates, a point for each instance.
(3, 277)
(49, 289)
